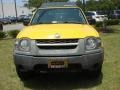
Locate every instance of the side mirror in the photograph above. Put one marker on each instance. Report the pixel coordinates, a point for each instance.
(26, 22)
(91, 21)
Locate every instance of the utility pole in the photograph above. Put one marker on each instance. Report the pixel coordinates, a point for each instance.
(2, 8)
(15, 9)
(84, 5)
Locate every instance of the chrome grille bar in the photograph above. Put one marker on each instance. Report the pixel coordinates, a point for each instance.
(58, 44)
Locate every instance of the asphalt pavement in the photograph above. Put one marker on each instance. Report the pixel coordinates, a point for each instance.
(10, 27)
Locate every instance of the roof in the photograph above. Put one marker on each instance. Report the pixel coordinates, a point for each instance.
(58, 4)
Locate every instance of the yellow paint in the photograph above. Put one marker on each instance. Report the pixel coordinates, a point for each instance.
(67, 31)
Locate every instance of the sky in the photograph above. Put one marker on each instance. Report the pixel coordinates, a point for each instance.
(20, 2)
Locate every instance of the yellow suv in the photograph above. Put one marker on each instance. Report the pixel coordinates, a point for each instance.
(58, 38)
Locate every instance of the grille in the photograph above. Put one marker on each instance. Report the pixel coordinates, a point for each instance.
(57, 44)
(56, 47)
(54, 41)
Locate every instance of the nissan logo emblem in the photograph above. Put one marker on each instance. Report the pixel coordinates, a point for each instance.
(57, 36)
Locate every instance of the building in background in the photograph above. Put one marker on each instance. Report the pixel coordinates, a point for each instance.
(9, 10)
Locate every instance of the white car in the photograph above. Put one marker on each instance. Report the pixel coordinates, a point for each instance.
(98, 16)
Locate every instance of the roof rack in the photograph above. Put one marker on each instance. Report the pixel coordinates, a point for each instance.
(58, 4)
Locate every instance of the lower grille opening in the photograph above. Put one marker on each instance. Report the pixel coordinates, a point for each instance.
(40, 67)
(75, 66)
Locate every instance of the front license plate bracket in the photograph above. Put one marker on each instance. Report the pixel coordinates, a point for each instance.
(58, 64)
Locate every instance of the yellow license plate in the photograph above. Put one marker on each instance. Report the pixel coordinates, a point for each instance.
(57, 64)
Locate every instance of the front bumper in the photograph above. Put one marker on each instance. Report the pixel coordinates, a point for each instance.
(82, 62)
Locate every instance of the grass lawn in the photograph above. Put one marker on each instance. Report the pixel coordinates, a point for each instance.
(109, 80)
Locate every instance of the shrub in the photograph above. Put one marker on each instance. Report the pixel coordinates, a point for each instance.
(112, 22)
(13, 33)
(108, 22)
(105, 30)
(99, 24)
(2, 34)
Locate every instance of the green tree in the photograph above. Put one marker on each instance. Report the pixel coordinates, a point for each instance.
(92, 5)
(79, 3)
(37, 3)
(58, 0)
(103, 5)
(106, 5)
(116, 4)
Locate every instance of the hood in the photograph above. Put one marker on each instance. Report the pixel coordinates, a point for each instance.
(65, 31)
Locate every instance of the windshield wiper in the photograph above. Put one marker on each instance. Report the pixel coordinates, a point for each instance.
(44, 23)
(70, 22)
(73, 22)
(40, 23)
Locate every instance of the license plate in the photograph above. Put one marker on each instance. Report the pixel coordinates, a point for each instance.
(57, 64)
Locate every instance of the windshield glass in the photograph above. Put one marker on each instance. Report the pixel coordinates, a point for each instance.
(118, 12)
(89, 14)
(58, 15)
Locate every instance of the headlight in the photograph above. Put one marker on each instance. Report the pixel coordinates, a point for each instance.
(93, 43)
(23, 45)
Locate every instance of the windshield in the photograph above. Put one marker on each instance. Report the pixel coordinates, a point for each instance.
(58, 15)
(89, 14)
(118, 12)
